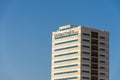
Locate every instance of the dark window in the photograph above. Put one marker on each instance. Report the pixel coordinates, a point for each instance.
(85, 77)
(102, 67)
(86, 40)
(85, 71)
(85, 58)
(93, 41)
(102, 55)
(93, 47)
(86, 34)
(94, 72)
(94, 78)
(94, 34)
(102, 37)
(102, 49)
(85, 52)
(94, 54)
(86, 46)
(102, 61)
(87, 65)
(94, 60)
(102, 43)
(102, 73)
(94, 66)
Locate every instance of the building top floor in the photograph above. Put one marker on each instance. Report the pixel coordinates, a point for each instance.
(68, 27)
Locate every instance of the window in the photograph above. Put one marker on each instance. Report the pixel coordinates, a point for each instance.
(94, 78)
(102, 49)
(65, 66)
(68, 72)
(102, 67)
(102, 79)
(85, 58)
(102, 37)
(66, 36)
(85, 78)
(85, 71)
(58, 55)
(94, 60)
(69, 78)
(102, 55)
(93, 47)
(86, 46)
(86, 34)
(93, 41)
(66, 60)
(102, 73)
(86, 40)
(94, 66)
(66, 42)
(84, 52)
(94, 34)
(102, 43)
(66, 48)
(94, 54)
(102, 61)
(94, 72)
(87, 65)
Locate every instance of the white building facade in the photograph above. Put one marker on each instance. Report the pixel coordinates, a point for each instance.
(80, 53)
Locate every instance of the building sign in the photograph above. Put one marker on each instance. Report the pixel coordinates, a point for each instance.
(57, 35)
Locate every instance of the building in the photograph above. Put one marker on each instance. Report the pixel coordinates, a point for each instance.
(80, 53)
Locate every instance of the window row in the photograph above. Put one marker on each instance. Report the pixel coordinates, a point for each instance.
(66, 66)
(94, 35)
(92, 78)
(84, 46)
(69, 35)
(73, 65)
(93, 60)
(93, 41)
(93, 47)
(75, 40)
(94, 54)
(65, 60)
(68, 72)
(69, 78)
(85, 40)
(83, 78)
(87, 65)
(65, 54)
(93, 72)
(66, 48)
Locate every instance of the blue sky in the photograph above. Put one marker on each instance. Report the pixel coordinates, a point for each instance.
(26, 27)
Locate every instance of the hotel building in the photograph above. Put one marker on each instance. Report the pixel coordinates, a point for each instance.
(80, 53)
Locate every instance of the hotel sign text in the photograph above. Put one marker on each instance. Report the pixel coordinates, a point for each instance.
(65, 33)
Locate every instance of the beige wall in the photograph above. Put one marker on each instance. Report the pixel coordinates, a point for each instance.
(79, 68)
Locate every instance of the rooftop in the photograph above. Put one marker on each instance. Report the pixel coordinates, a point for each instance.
(66, 27)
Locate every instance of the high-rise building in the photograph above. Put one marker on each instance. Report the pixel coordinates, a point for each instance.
(80, 53)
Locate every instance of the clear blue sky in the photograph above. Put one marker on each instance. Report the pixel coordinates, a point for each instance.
(26, 27)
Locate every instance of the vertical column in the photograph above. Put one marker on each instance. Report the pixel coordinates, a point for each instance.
(94, 55)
